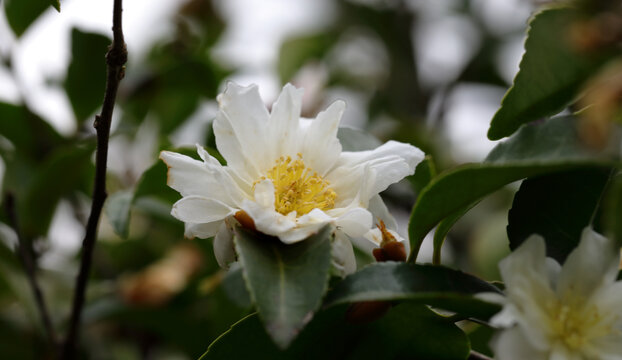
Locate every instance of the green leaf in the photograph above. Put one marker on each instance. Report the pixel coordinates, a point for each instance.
(22, 13)
(31, 136)
(234, 286)
(412, 331)
(443, 229)
(433, 285)
(118, 211)
(551, 73)
(86, 75)
(407, 331)
(286, 282)
(537, 149)
(557, 207)
(424, 172)
(67, 170)
(356, 140)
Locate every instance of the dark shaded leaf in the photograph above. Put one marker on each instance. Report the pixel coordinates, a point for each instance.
(67, 170)
(551, 73)
(557, 207)
(86, 75)
(424, 172)
(408, 331)
(542, 148)
(21, 13)
(286, 282)
(31, 136)
(433, 285)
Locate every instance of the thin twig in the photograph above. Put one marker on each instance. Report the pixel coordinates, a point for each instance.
(115, 61)
(25, 254)
(474, 355)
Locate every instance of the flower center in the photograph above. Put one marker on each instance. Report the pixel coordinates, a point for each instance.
(577, 325)
(298, 188)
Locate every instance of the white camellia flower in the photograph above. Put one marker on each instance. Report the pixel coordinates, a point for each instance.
(553, 312)
(287, 174)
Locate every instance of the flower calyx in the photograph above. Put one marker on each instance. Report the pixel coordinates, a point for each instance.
(390, 248)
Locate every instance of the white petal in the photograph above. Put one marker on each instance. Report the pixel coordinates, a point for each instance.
(511, 344)
(592, 264)
(300, 232)
(284, 126)
(199, 209)
(374, 236)
(320, 147)
(504, 318)
(609, 348)
(355, 223)
(609, 300)
(224, 250)
(264, 194)
(240, 129)
(380, 212)
(306, 225)
(185, 174)
(392, 162)
(208, 178)
(527, 286)
(343, 259)
(352, 185)
(202, 231)
(267, 220)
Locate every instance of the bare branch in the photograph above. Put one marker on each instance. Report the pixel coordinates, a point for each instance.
(24, 252)
(115, 61)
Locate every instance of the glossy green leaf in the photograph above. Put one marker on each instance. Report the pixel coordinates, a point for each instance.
(356, 140)
(557, 207)
(412, 331)
(66, 171)
(424, 172)
(543, 148)
(30, 135)
(21, 13)
(408, 331)
(551, 73)
(86, 76)
(117, 210)
(234, 286)
(443, 229)
(286, 282)
(433, 285)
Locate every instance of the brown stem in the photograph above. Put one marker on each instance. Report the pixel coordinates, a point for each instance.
(25, 255)
(115, 61)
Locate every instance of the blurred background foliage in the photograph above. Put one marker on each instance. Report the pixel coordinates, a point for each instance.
(430, 73)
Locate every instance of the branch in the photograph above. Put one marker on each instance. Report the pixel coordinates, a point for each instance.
(115, 61)
(25, 254)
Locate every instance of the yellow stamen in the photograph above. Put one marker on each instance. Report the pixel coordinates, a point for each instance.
(575, 325)
(298, 188)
